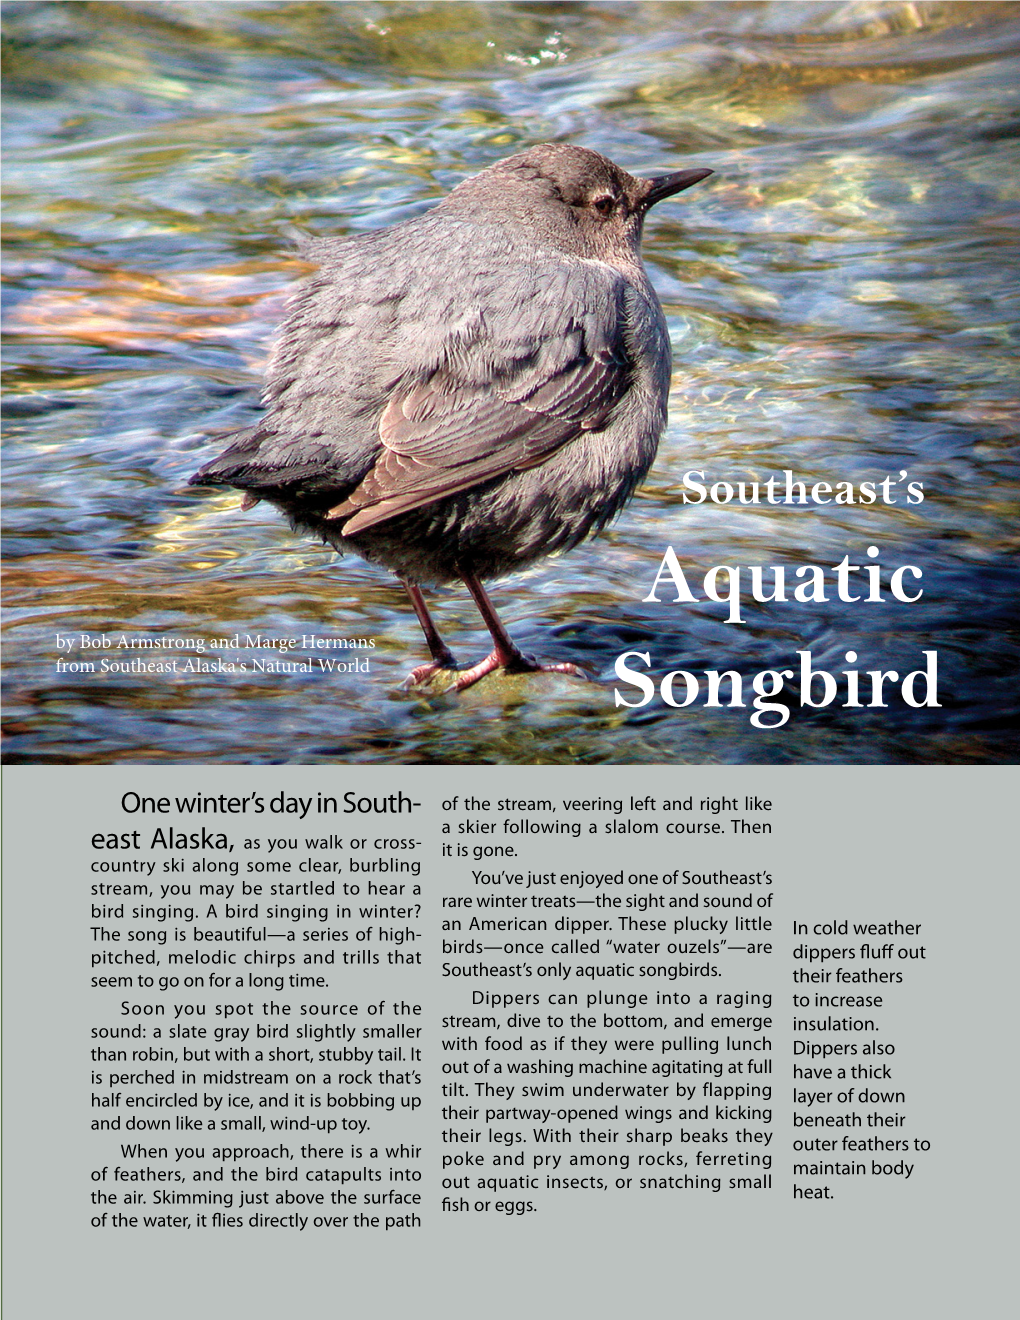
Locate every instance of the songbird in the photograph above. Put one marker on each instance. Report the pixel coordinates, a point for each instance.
(460, 394)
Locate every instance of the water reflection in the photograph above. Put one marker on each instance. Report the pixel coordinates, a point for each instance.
(841, 301)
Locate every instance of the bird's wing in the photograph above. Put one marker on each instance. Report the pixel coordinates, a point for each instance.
(492, 407)
(397, 382)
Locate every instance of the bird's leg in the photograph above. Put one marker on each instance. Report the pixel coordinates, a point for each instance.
(505, 654)
(442, 656)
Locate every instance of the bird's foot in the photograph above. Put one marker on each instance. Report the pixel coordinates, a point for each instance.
(519, 663)
(423, 673)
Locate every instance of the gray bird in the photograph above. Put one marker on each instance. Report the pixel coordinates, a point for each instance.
(460, 394)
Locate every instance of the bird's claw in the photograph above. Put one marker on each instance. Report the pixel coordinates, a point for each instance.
(423, 673)
(465, 678)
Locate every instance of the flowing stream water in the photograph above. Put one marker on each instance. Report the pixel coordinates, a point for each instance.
(841, 297)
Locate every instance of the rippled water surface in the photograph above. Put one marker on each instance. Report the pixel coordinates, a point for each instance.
(841, 296)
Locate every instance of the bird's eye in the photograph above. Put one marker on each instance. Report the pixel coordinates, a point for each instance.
(604, 204)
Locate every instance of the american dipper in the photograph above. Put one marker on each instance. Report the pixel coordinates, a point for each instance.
(460, 394)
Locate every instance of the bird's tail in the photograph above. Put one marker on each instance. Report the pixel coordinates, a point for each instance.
(232, 463)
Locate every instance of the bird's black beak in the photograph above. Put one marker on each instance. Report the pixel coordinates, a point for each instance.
(668, 184)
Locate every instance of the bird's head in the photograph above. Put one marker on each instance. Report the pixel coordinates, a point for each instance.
(568, 197)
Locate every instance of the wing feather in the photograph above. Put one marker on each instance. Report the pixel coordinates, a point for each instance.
(390, 389)
(440, 436)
